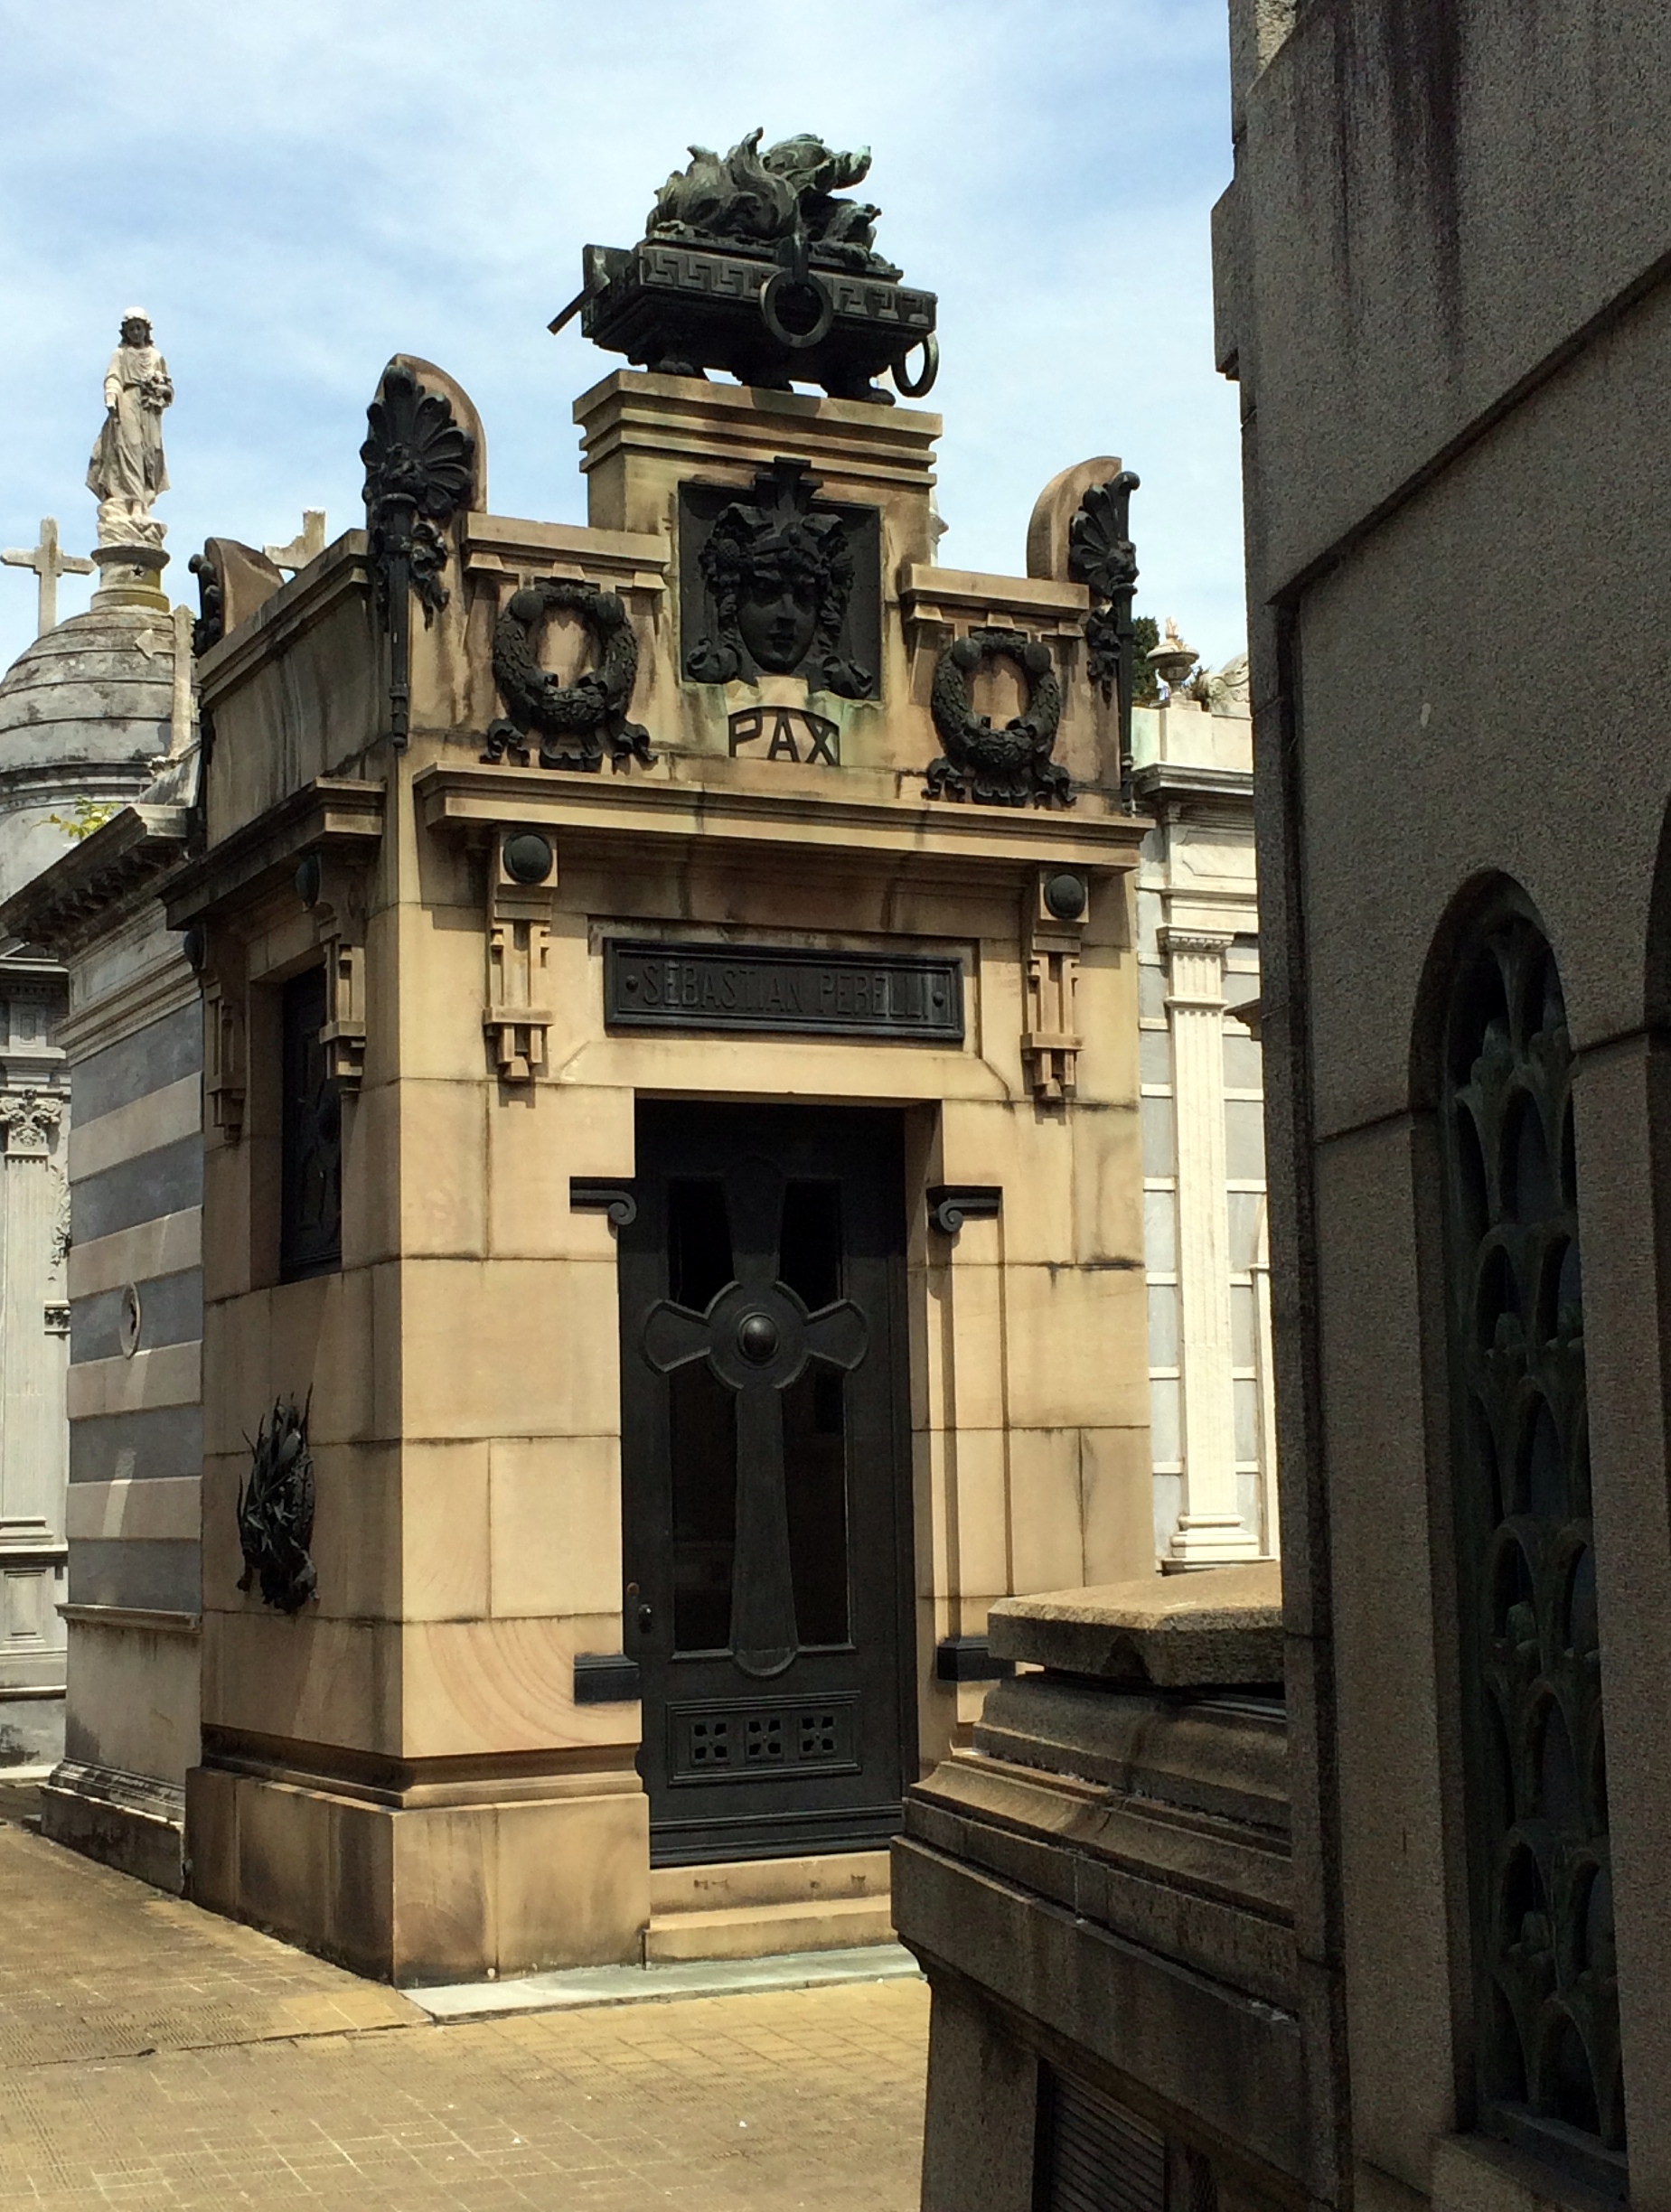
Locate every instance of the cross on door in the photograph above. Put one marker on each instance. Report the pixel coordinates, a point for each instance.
(49, 564)
(757, 1337)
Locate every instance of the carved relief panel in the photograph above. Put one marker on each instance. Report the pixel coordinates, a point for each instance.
(779, 583)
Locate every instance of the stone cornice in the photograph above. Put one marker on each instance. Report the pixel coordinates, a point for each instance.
(59, 908)
(158, 1623)
(498, 543)
(730, 428)
(796, 829)
(961, 597)
(332, 811)
(1164, 786)
(161, 987)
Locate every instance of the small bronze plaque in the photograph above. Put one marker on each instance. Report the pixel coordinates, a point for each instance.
(743, 987)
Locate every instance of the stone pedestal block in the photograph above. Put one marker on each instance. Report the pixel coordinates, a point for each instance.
(431, 1893)
(1099, 1890)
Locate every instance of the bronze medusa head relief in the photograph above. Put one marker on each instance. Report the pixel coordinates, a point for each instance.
(777, 579)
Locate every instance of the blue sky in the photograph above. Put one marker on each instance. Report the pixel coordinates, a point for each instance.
(297, 191)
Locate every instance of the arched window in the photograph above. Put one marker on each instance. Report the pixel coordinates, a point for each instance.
(1546, 2007)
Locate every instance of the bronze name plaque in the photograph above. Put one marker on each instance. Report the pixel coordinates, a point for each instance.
(744, 986)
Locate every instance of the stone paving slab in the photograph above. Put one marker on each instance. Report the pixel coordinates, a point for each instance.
(20, 1797)
(134, 1971)
(267, 2078)
(574, 1987)
(801, 2099)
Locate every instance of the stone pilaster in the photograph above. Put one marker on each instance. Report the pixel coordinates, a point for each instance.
(1210, 1527)
(32, 1451)
(32, 1437)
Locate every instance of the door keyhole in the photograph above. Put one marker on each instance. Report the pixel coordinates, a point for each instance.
(646, 1619)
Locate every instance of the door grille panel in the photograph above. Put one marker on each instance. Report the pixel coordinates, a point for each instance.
(738, 1741)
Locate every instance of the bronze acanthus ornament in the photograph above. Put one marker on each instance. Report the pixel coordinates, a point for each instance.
(210, 627)
(1102, 557)
(419, 468)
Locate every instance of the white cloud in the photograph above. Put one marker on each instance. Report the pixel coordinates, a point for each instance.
(297, 192)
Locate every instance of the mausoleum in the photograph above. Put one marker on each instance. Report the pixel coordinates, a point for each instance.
(672, 1163)
(670, 980)
(89, 712)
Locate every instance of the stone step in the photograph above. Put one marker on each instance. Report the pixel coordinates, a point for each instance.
(763, 1931)
(809, 1879)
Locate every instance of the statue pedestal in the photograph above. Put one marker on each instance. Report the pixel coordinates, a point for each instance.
(130, 576)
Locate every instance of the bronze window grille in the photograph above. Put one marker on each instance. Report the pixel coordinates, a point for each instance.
(1546, 2007)
(310, 1232)
(1093, 2154)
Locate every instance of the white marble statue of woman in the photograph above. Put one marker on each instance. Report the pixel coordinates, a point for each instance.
(127, 471)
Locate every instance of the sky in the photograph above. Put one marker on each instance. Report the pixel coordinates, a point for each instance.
(295, 191)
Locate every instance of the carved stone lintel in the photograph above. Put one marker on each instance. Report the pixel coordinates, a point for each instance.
(1053, 927)
(28, 1118)
(521, 889)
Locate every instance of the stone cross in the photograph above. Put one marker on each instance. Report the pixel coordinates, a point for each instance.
(49, 564)
(302, 549)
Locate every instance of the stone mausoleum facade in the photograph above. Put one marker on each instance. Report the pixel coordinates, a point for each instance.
(89, 713)
(676, 1123)
(694, 1197)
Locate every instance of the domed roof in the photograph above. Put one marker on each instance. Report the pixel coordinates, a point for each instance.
(97, 690)
(85, 714)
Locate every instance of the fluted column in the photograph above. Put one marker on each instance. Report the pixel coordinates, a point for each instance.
(1210, 1526)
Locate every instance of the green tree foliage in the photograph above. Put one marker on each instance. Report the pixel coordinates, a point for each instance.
(1145, 637)
(84, 816)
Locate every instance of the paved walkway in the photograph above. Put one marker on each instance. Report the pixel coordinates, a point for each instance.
(176, 2061)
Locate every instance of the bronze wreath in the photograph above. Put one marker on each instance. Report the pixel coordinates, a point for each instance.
(997, 767)
(590, 712)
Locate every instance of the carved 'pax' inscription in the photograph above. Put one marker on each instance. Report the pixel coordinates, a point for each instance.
(790, 733)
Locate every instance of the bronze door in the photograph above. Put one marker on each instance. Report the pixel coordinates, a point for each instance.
(765, 1477)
